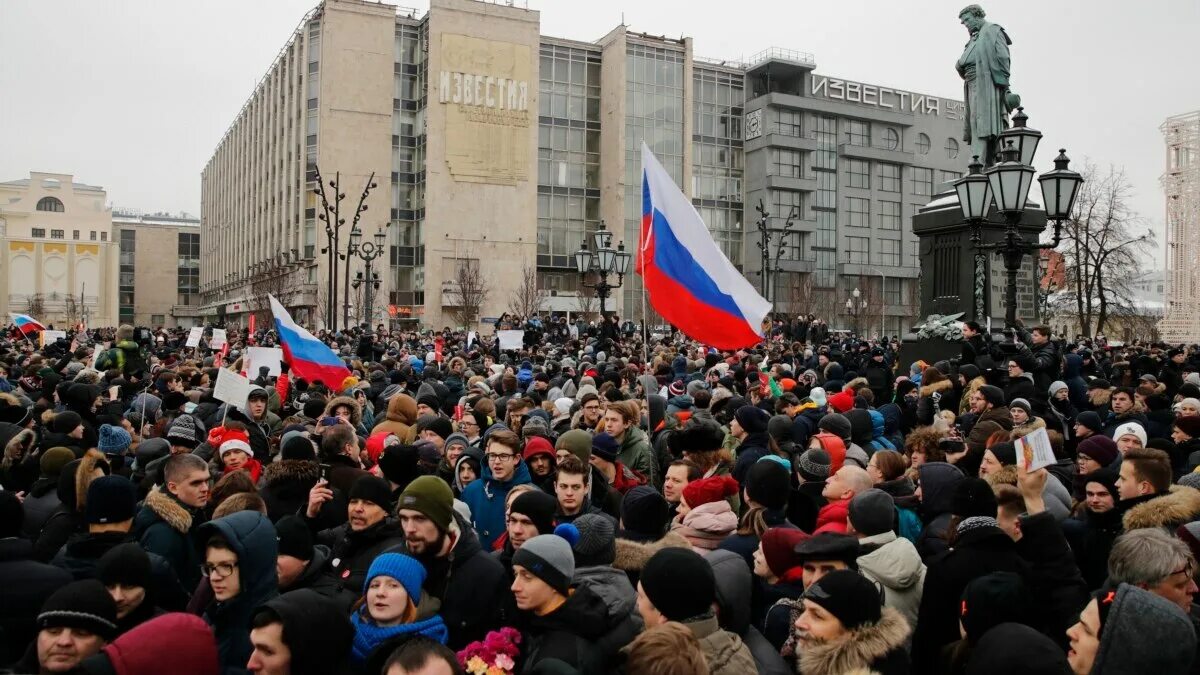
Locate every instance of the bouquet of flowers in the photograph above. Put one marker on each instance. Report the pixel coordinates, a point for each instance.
(496, 654)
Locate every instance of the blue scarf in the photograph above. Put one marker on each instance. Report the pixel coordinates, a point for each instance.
(368, 635)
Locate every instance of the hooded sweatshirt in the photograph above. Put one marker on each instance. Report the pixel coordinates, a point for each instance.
(1144, 634)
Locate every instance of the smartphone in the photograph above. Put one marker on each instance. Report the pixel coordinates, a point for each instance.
(326, 469)
(329, 421)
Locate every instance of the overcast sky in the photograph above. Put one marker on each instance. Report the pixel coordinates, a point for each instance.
(134, 95)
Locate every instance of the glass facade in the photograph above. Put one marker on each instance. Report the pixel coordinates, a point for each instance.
(717, 159)
(189, 268)
(125, 301)
(406, 237)
(825, 168)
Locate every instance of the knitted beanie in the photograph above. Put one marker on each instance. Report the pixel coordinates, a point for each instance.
(126, 564)
(431, 496)
(65, 422)
(752, 419)
(872, 512)
(427, 452)
(1005, 453)
(1189, 425)
(644, 514)
(1091, 420)
(708, 490)
(973, 497)
(298, 447)
(847, 595)
(53, 460)
(549, 558)
(779, 549)
(605, 447)
(768, 484)
(82, 604)
(111, 499)
(1130, 429)
(813, 465)
(597, 545)
(537, 445)
(372, 489)
(992, 394)
(114, 440)
(836, 424)
(399, 464)
(993, 599)
(1022, 404)
(437, 424)
(1100, 448)
(577, 442)
(404, 569)
(294, 538)
(457, 439)
(679, 583)
(183, 432)
(539, 507)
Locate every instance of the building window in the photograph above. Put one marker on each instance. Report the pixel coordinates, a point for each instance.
(788, 163)
(92, 235)
(950, 176)
(858, 173)
(57, 234)
(826, 190)
(922, 181)
(889, 215)
(39, 233)
(858, 212)
(951, 148)
(891, 139)
(889, 177)
(103, 236)
(825, 134)
(127, 245)
(889, 252)
(75, 235)
(891, 290)
(858, 133)
(157, 320)
(789, 123)
(51, 204)
(859, 249)
(786, 203)
(923, 144)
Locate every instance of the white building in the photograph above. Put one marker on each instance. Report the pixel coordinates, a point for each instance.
(1181, 185)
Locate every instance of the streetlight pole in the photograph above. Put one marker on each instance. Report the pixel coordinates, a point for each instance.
(765, 232)
(331, 216)
(854, 307)
(603, 262)
(367, 252)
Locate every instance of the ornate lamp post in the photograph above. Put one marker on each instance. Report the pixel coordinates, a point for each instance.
(331, 216)
(367, 252)
(855, 305)
(1007, 183)
(603, 262)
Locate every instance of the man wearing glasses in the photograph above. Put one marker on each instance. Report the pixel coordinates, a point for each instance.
(486, 495)
(590, 412)
(472, 425)
(1151, 559)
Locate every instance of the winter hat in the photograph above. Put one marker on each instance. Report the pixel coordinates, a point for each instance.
(1100, 448)
(697, 437)
(1091, 420)
(767, 483)
(539, 507)
(314, 408)
(1005, 453)
(973, 497)
(65, 422)
(577, 442)
(597, 545)
(298, 447)
(847, 595)
(830, 546)
(1189, 425)
(430, 400)
(676, 388)
(537, 445)
(752, 419)
(836, 424)
(1193, 403)
(457, 439)
(111, 499)
(1130, 614)
(126, 564)
(872, 512)
(438, 425)
(813, 465)
(1016, 648)
(404, 569)
(1106, 476)
(1057, 386)
(1022, 404)
(861, 430)
(993, 599)
(1130, 429)
(81, 604)
(779, 549)
(294, 538)
(708, 490)
(113, 440)
(992, 394)
(679, 583)
(903, 387)
(227, 440)
(398, 464)
(427, 452)
(53, 460)
(183, 432)
(432, 497)
(605, 447)
(817, 394)
(643, 514)
(549, 558)
(374, 490)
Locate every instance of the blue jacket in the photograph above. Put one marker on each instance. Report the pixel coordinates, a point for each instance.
(486, 497)
(252, 537)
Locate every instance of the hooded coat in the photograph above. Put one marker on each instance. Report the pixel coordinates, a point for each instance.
(486, 497)
(707, 525)
(896, 566)
(632, 556)
(612, 585)
(143, 651)
(318, 638)
(637, 454)
(165, 526)
(724, 651)
(286, 484)
(1179, 506)
(875, 647)
(580, 633)
(400, 418)
(938, 480)
(252, 537)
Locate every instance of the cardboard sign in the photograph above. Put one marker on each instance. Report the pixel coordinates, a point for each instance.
(1034, 451)
(270, 357)
(194, 336)
(49, 337)
(470, 338)
(511, 339)
(231, 388)
(218, 339)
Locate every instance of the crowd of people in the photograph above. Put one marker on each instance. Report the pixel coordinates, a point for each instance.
(602, 500)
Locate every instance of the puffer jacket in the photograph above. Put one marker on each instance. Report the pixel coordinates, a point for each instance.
(938, 480)
(707, 525)
(897, 567)
(579, 633)
(613, 587)
(252, 537)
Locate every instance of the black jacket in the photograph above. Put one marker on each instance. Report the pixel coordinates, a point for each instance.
(83, 551)
(27, 583)
(285, 486)
(1092, 536)
(353, 552)
(1053, 576)
(804, 503)
(165, 526)
(753, 448)
(252, 538)
(579, 633)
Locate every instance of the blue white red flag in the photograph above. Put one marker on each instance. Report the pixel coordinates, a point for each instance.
(688, 279)
(307, 356)
(25, 323)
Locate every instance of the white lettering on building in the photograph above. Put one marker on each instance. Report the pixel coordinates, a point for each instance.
(883, 97)
(483, 91)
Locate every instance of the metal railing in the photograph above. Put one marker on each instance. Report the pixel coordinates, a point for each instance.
(781, 54)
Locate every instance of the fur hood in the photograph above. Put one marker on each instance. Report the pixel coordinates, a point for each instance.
(633, 556)
(1179, 506)
(941, 387)
(858, 649)
(856, 384)
(1007, 475)
(291, 471)
(1032, 425)
(355, 408)
(169, 510)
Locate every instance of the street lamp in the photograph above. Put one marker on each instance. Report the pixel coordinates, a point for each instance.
(603, 262)
(331, 216)
(368, 252)
(1007, 184)
(765, 243)
(855, 305)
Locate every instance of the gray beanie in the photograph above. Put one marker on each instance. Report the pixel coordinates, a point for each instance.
(1144, 633)
(836, 424)
(457, 438)
(1057, 386)
(597, 543)
(872, 512)
(549, 558)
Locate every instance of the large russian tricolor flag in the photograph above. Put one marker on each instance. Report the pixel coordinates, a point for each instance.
(689, 280)
(307, 356)
(25, 323)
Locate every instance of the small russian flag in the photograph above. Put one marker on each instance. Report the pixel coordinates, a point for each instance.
(25, 323)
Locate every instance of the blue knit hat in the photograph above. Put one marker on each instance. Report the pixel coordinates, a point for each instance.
(407, 570)
(113, 440)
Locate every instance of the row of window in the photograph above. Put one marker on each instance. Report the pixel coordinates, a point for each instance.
(854, 132)
(859, 251)
(40, 233)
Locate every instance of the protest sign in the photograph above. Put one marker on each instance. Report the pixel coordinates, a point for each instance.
(1034, 451)
(218, 339)
(511, 339)
(194, 335)
(270, 357)
(231, 388)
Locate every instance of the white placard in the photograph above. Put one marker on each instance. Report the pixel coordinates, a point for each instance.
(511, 339)
(97, 350)
(231, 388)
(194, 336)
(1034, 451)
(49, 337)
(218, 339)
(264, 356)
(470, 338)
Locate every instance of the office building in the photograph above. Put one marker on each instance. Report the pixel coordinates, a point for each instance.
(1181, 187)
(158, 268)
(496, 150)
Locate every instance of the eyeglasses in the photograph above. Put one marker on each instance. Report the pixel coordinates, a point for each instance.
(220, 570)
(498, 457)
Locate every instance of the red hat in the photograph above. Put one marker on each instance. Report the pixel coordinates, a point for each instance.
(711, 489)
(537, 445)
(224, 440)
(836, 448)
(779, 549)
(787, 383)
(376, 444)
(841, 401)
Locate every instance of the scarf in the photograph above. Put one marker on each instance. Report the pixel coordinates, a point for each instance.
(368, 635)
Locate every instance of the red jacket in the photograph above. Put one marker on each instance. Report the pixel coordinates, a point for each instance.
(626, 478)
(833, 516)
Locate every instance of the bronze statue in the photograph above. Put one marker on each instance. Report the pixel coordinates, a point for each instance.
(984, 67)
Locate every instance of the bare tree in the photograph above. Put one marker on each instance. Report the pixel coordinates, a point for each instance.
(469, 293)
(71, 310)
(272, 279)
(527, 299)
(870, 316)
(585, 299)
(35, 306)
(805, 297)
(1103, 246)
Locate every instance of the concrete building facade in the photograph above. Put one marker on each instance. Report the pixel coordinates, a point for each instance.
(1181, 187)
(509, 148)
(59, 260)
(158, 275)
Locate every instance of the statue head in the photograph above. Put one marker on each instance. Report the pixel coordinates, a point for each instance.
(971, 16)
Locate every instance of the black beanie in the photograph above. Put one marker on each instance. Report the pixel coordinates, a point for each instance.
(294, 538)
(539, 507)
(768, 483)
(82, 604)
(374, 490)
(973, 497)
(111, 499)
(438, 425)
(65, 422)
(1005, 453)
(993, 599)
(992, 394)
(126, 564)
(680, 583)
(643, 514)
(399, 464)
(298, 447)
(849, 596)
(752, 419)
(314, 408)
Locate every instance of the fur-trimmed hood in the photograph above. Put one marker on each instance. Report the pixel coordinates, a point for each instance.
(857, 383)
(1180, 505)
(941, 387)
(355, 408)
(858, 649)
(169, 510)
(1007, 475)
(633, 556)
(291, 471)
(1033, 424)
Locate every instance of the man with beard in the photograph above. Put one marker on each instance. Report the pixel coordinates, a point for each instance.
(449, 550)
